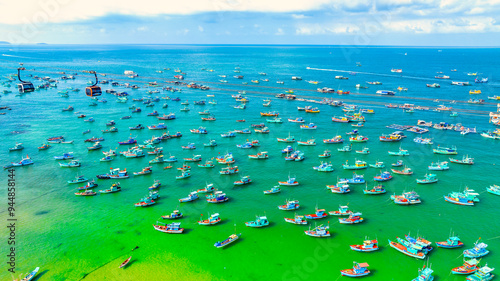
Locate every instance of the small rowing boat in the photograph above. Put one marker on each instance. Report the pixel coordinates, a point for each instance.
(124, 263)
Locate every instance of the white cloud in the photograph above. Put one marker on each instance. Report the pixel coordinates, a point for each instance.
(200, 28)
(142, 28)
(279, 32)
(299, 16)
(12, 12)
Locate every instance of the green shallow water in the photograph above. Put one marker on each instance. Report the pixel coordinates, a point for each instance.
(73, 238)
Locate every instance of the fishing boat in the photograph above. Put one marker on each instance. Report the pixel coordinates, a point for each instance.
(482, 274)
(155, 185)
(428, 178)
(478, 251)
(405, 171)
(378, 189)
(358, 138)
(289, 205)
(439, 166)
(18, 146)
(466, 198)
(137, 127)
(289, 182)
(424, 274)
(244, 180)
(213, 219)
(358, 164)
(346, 148)
(288, 139)
(260, 221)
(144, 171)
(341, 187)
(358, 270)
(115, 187)
(44, 146)
(71, 164)
(31, 275)
(398, 163)
(270, 114)
(174, 227)
(196, 158)
(90, 184)
(67, 155)
(231, 239)
(493, 189)
(297, 220)
(260, 155)
(207, 164)
(184, 175)
(229, 170)
(465, 160)
(191, 197)
(326, 154)
(445, 150)
(469, 267)
(208, 188)
(310, 126)
(110, 130)
(114, 174)
(273, 190)
(274, 120)
(287, 149)
(86, 193)
(367, 246)
(450, 243)
(211, 143)
(409, 251)
(324, 167)
(341, 119)
(160, 126)
(401, 152)
(217, 197)
(352, 219)
(365, 150)
(95, 146)
(176, 214)
(78, 179)
(200, 130)
(407, 198)
(129, 141)
(420, 140)
(356, 179)
(318, 214)
(229, 134)
(318, 231)
(310, 142)
(190, 146)
(336, 139)
(124, 263)
(377, 165)
(264, 130)
(390, 138)
(170, 116)
(296, 120)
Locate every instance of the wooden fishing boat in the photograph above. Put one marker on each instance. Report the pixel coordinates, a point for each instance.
(124, 263)
(378, 189)
(176, 214)
(86, 193)
(213, 219)
(31, 275)
(358, 270)
(297, 220)
(169, 228)
(405, 171)
(469, 267)
(367, 246)
(319, 231)
(352, 219)
(407, 250)
(273, 190)
(342, 211)
(450, 243)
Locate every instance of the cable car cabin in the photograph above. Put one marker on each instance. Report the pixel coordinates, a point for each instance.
(25, 87)
(93, 91)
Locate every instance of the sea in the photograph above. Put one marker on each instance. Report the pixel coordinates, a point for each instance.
(86, 238)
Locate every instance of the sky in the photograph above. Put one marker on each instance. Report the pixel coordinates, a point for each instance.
(318, 22)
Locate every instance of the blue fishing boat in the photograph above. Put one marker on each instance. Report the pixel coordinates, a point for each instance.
(318, 214)
(478, 251)
(493, 189)
(429, 178)
(377, 165)
(273, 190)
(401, 152)
(231, 239)
(439, 166)
(352, 219)
(378, 189)
(358, 164)
(469, 267)
(450, 243)
(68, 155)
(319, 231)
(367, 246)
(217, 197)
(191, 197)
(358, 270)
(176, 214)
(398, 163)
(384, 176)
(356, 179)
(424, 274)
(482, 274)
(31, 275)
(244, 180)
(290, 205)
(445, 150)
(409, 251)
(324, 167)
(259, 222)
(78, 179)
(185, 174)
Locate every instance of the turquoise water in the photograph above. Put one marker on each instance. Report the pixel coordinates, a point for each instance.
(70, 237)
